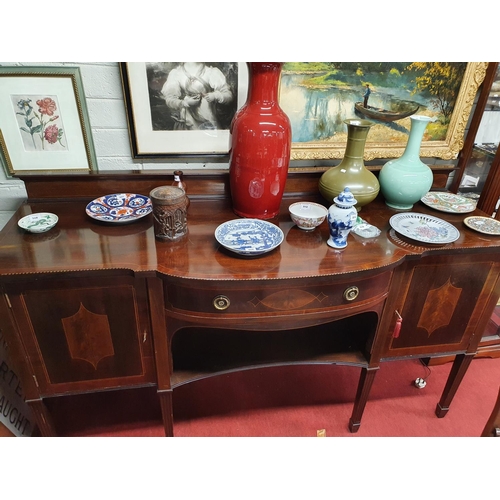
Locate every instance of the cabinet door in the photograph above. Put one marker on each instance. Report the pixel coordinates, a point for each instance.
(442, 304)
(84, 334)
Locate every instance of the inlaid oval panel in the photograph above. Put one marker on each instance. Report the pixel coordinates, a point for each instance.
(288, 299)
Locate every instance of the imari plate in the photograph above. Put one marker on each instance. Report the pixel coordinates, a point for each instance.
(119, 207)
(424, 228)
(249, 236)
(449, 202)
(485, 225)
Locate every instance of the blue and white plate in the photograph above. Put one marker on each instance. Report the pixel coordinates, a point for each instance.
(249, 236)
(119, 207)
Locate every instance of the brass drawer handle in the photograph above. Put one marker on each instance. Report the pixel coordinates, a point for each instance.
(351, 293)
(221, 302)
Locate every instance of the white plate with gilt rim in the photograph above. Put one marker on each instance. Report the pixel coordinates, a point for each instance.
(424, 228)
(485, 225)
(449, 202)
(249, 237)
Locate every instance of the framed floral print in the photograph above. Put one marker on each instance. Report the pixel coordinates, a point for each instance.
(44, 123)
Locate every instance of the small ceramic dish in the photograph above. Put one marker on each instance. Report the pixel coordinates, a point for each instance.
(307, 215)
(38, 223)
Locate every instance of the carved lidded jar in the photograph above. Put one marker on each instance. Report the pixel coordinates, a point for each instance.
(169, 212)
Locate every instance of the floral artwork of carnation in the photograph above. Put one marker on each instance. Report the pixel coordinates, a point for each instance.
(46, 106)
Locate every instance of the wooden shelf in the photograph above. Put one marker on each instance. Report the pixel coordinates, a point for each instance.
(182, 377)
(205, 352)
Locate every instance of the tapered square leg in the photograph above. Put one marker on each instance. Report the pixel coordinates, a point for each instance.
(458, 370)
(167, 411)
(365, 383)
(43, 418)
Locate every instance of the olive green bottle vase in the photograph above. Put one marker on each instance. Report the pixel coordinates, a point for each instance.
(351, 172)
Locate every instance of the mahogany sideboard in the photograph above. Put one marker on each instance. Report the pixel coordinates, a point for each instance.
(89, 307)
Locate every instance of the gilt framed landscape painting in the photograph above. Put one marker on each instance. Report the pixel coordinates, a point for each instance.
(182, 109)
(44, 125)
(318, 97)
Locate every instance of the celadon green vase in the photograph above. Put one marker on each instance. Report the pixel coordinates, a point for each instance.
(351, 171)
(405, 180)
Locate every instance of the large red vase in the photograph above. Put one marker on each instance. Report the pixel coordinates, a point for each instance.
(260, 146)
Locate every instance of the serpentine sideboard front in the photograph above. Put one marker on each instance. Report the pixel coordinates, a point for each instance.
(91, 307)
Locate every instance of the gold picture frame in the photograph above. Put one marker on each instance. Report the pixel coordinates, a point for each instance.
(377, 146)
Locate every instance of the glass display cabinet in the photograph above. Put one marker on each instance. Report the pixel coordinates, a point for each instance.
(479, 175)
(478, 166)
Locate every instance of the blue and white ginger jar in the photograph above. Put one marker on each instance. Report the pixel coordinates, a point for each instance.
(342, 216)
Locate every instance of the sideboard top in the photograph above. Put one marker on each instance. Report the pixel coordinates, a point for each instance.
(79, 243)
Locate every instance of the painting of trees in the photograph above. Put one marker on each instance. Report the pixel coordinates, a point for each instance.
(319, 96)
(442, 81)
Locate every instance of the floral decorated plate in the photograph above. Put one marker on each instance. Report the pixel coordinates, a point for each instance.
(449, 202)
(485, 225)
(424, 228)
(249, 236)
(119, 207)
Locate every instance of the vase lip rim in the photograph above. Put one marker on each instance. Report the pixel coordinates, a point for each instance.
(266, 64)
(359, 122)
(423, 118)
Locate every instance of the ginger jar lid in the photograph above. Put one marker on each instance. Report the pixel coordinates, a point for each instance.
(345, 199)
(167, 195)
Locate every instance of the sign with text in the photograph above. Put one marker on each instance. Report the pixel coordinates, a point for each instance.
(15, 414)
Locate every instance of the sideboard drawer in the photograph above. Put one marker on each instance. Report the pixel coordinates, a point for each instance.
(258, 298)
